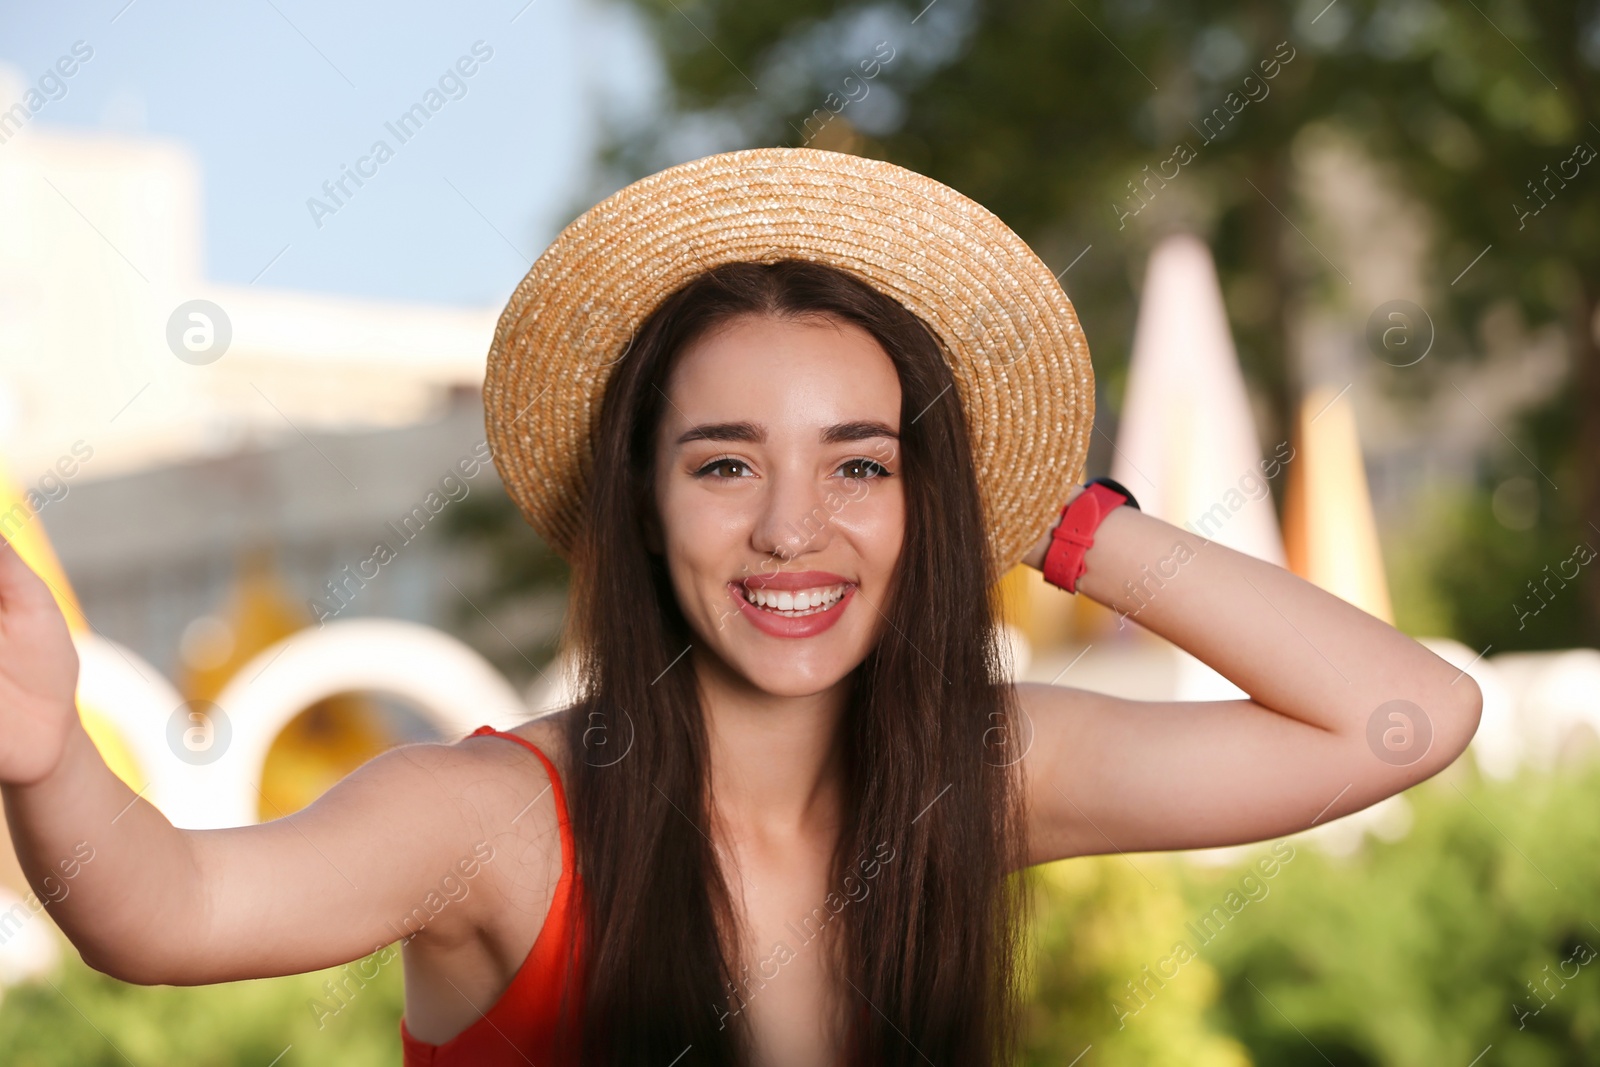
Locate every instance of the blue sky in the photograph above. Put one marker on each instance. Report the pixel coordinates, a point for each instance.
(275, 97)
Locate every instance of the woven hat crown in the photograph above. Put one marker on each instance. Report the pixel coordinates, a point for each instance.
(1016, 351)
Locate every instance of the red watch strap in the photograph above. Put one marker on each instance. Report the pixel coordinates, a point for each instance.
(1070, 541)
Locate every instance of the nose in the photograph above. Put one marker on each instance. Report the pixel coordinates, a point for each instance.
(794, 519)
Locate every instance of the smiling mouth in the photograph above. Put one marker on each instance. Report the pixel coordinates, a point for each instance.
(796, 603)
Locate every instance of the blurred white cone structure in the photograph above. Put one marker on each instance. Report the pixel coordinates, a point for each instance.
(1186, 444)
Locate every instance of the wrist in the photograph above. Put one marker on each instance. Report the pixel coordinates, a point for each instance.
(1066, 556)
(1036, 554)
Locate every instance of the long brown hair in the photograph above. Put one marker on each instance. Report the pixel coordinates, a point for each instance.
(931, 949)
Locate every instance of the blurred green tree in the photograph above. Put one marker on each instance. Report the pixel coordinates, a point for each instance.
(1063, 119)
(1483, 113)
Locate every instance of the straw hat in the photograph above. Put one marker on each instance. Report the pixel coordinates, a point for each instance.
(1012, 339)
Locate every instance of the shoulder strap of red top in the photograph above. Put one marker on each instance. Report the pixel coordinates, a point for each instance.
(567, 859)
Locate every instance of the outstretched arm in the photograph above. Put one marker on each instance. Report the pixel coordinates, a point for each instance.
(1344, 710)
(150, 903)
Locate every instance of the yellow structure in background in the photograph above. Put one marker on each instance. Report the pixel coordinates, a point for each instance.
(1330, 535)
(1048, 617)
(324, 742)
(19, 522)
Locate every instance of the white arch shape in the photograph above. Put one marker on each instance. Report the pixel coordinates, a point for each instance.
(454, 688)
(135, 698)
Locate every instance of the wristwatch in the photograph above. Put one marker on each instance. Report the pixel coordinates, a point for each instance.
(1070, 540)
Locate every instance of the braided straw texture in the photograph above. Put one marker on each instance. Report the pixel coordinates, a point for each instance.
(1019, 358)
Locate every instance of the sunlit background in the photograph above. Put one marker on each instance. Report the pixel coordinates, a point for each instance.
(1339, 267)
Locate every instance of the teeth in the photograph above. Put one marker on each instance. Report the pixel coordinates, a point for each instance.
(795, 603)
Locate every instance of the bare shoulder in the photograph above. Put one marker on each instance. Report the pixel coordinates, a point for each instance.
(490, 775)
(1035, 697)
(548, 733)
(509, 787)
(1050, 714)
(505, 794)
(528, 823)
(484, 778)
(1075, 782)
(493, 902)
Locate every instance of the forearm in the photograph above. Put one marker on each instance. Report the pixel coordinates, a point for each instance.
(1290, 645)
(136, 898)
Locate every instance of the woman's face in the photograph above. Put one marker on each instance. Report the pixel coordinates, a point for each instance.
(777, 479)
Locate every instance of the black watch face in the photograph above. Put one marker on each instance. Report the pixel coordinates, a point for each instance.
(1111, 483)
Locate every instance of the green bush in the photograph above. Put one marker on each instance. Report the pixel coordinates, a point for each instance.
(1477, 929)
(81, 1018)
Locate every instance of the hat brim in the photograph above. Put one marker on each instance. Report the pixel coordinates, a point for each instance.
(1017, 353)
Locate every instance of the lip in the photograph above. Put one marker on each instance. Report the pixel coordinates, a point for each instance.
(804, 625)
(793, 580)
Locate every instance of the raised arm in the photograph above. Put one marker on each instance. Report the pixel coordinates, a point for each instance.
(146, 902)
(1344, 710)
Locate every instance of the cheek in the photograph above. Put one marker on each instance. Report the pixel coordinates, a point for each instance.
(699, 537)
(876, 507)
(702, 526)
(874, 518)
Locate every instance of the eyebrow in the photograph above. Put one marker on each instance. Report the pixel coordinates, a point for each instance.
(754, 432)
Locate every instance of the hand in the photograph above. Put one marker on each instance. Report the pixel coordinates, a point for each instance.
(1035, 556)
(38, 674)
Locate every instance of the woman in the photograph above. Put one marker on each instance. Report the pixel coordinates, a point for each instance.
(780, 822)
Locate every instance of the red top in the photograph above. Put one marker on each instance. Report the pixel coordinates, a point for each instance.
(522, 1025)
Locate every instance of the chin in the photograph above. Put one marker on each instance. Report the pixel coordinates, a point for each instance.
(786, 672)
(786, 683)
(792, 683)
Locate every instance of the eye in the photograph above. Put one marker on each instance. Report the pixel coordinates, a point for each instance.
(861, 467)
(722, 462)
